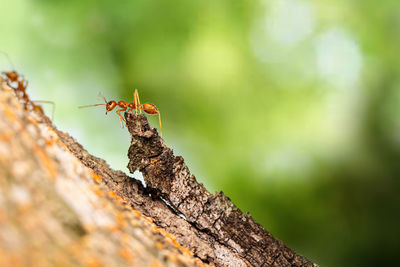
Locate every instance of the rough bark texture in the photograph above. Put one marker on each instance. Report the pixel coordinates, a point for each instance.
(232, 235)
(61, 206)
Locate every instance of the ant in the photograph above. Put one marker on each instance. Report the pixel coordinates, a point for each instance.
(19, 84)
(123, 106)
(12, 77)
(22, 84)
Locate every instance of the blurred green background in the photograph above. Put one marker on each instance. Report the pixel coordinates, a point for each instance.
(290, 107)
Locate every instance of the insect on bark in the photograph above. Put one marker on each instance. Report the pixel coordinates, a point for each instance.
(125, 106)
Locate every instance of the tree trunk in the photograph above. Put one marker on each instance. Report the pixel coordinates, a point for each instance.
(61, 206)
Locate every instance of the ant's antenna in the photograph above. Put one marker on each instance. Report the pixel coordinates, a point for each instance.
(8, 59)
(95, 105)
(48, 102)
(100, 96)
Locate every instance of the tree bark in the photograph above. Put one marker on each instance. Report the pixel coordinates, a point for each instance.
(59, 205)
(235, 239)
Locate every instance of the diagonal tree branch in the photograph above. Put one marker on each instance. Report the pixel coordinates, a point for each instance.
(59, 205)
(233, 233)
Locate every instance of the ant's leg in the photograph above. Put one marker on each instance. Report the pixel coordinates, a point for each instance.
(152, 109)
(137, 101)
(121, 119)
(159, 119)
(47, 102)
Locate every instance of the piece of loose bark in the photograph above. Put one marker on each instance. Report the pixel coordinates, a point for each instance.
(233, 235)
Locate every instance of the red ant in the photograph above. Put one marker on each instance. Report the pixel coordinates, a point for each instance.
(123, 106)
(22, 84)
(13, 77)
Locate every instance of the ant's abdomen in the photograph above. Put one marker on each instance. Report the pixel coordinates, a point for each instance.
(150, 108)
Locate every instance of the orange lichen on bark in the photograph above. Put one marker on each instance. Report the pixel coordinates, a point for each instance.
(137, 212)
(113, 228)
(159, 245)
(168, 236)
(10, 259)
(31, 120)
(92, 262)
(199, 262)
(6, 136)
(172, 258)
(125, 238)
(156, 263)
(95, 177)
(82, 254)
(2, 216)
(126, 254)
(112, 194)
(150, 220)
(45, 161)
(119, 217)
(119, 201)
(99, 192)
(172, 239)
(49, 142)
(10, 114)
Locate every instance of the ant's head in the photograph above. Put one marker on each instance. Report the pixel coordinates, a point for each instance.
(12, 76)
(110, 105)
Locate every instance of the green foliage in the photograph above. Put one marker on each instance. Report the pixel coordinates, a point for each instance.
(290, 107)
